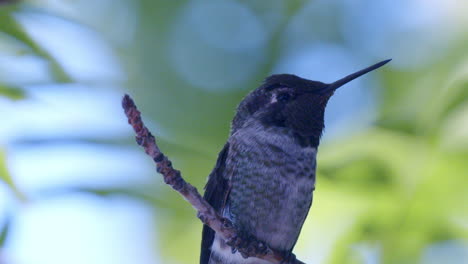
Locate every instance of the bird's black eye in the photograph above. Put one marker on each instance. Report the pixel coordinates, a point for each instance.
(283, 97)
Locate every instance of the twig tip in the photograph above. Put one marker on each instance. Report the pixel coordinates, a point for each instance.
(127, 102)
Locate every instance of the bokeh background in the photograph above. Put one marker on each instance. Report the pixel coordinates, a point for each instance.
(74, 187)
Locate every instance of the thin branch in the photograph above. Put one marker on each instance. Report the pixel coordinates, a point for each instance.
(172, 177)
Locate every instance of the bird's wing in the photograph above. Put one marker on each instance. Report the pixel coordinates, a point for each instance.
(216, 192)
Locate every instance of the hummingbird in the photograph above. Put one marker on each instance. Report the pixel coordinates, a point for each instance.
(264, 178)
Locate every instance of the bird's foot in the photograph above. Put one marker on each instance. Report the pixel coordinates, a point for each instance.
(288, 258)
(247, 246)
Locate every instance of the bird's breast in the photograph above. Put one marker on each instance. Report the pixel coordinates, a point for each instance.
(272, 179)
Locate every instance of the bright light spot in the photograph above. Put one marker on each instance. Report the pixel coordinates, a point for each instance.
(23, 69)
(69, 165)
(81, 52)
(115, 19)
(81, 229)
(367, 253)
(226, 25)
(453, 252)
(217, 45)
(63, 111)
(413, 33)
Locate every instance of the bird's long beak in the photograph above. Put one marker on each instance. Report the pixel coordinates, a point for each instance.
(335, 85)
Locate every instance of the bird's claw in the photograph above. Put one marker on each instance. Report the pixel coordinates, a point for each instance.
(247, 246)
(288, 258)
(226, 223)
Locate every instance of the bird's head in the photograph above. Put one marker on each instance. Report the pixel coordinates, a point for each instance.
(289, 101)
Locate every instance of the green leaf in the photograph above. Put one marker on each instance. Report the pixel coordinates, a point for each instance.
(11, 92)
(7, 179)
(10, 26)
(4, 231)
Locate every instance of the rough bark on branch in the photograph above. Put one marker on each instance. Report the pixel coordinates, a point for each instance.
(172, 177)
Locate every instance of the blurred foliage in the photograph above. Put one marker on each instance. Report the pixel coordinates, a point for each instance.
(4, 228)
(11, 92)
(6, 178)
(399, 185)
(11, 27)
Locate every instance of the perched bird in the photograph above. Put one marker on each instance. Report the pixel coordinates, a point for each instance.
(265, 175)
